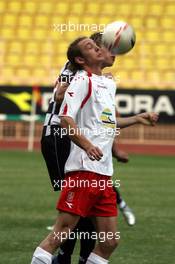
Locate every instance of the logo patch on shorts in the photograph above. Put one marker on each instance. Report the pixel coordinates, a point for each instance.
(70, 197)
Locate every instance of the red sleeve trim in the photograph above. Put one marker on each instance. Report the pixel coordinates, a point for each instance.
(89, 91)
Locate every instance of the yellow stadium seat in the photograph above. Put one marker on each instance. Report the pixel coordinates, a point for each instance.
(123, 9)
(47, 77)
(70, 36)
(40, 73)
(171, 62)
(30, 7)
(46, 60)
(61, 60)
(147, 62)
(13, 59)
(153, 76)
(139, 9)
(146, 49)
(160, 50)
(152, 36)
(56, 22)
(9, 20)
(169, 76)
(137, 76)
(140, 36)
(16, 46)
(168, 36)
(23, 33)
(77, 8)
(108, 8)
(2, 59)
(73, 19)
(62, 8)
(92, 9)
(167, 22)
(104, 20)
(41, 20)
(2, 46)
(32, 46)
(88, 21)
(6, 73)
(14, 6)
(39, 34)
(25, 20)
(170, 8)
(121, 76)
(2, 6)
(46, 7)
(171, 49)
(156, 9)
(7, 33)
(152, 22)
(162, 63)
(54, 35)
(30, 60)
(47, 47)
(136, 22)
(129, 63)
(62, 47)
(24, 74)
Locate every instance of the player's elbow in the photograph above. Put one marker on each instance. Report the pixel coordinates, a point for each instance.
(66, 121)
(63, 121)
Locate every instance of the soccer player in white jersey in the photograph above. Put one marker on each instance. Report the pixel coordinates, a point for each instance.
(55, 150)
(89, 111)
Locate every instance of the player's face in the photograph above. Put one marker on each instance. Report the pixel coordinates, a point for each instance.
(108, 57)
(92, 54)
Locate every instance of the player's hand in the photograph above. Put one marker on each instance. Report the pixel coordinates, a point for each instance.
(122, 156)
(148, 118)
(94, 153)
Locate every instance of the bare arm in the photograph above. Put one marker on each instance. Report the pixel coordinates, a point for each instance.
(93, 152)
(61, 88)
(143, 118)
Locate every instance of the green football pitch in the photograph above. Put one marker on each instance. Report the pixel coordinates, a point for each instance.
(27, 206)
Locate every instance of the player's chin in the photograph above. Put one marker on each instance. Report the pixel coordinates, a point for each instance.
(108, 63)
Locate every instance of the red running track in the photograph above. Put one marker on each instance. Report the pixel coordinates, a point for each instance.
(149, 149)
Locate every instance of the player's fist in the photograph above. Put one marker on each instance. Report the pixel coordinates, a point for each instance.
(148, 118)
(94, 153)
(121, 156)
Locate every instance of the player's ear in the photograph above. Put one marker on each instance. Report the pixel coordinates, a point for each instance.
(79, 60)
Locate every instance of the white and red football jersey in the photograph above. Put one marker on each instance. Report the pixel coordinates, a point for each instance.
(90, 102)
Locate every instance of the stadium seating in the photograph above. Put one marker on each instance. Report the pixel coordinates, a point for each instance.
(32, 45)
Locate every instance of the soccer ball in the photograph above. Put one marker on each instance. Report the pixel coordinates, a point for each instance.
(119, 37)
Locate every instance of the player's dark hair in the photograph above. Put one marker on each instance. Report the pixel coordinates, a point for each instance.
(97, 38)
(73, 52)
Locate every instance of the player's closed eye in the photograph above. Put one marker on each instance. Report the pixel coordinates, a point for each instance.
(89, 46)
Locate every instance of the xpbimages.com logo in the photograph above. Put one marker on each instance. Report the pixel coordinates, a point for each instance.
(101, 132)
(101, 236)
(69, 26)
(80, 183)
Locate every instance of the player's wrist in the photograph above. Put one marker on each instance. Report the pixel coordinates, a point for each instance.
(136, 119)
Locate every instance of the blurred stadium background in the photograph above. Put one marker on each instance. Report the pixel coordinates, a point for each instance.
(33, 50)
